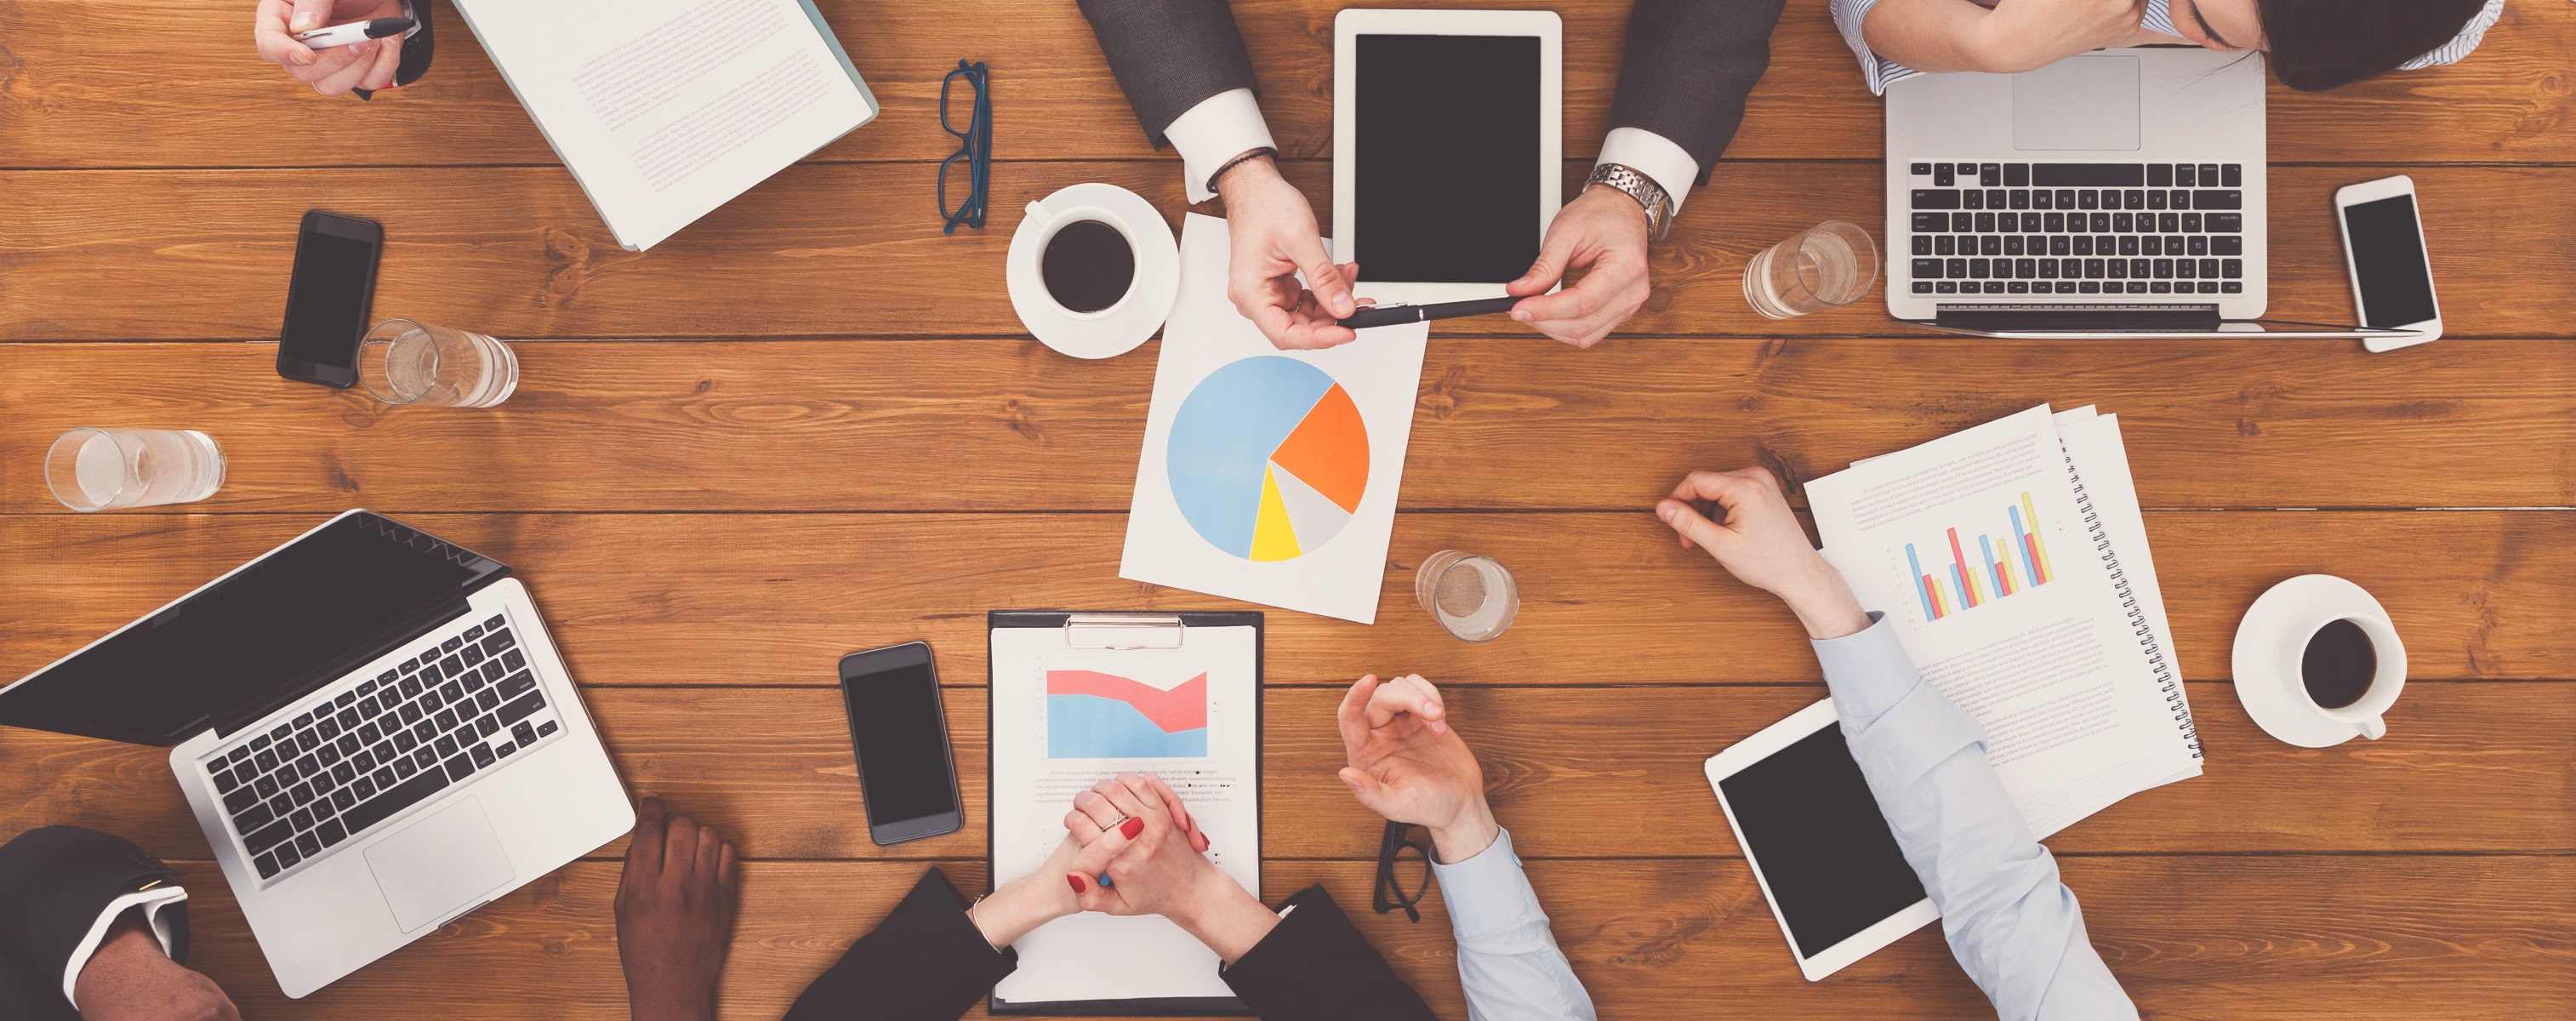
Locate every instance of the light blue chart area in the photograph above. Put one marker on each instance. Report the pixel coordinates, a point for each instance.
(1092, 727)
(1222, 439)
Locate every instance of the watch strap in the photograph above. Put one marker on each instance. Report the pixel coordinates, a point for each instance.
(1658, 203)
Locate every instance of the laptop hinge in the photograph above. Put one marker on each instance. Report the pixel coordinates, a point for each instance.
(2045, 318)
(400, 633)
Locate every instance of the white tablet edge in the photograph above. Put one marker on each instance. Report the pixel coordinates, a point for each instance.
(1754, 749)
(1352, 23)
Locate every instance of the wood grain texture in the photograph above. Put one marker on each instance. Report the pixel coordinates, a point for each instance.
(2324, 938)
(2466, 767)
(854, 250)
(184, 87)
(1010, 426)
(1605, 598)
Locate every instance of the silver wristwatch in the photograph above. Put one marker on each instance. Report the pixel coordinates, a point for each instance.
(1658, 202)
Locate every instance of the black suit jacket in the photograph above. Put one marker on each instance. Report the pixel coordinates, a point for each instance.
(927, 962)
(54, 882)
(1689, 63)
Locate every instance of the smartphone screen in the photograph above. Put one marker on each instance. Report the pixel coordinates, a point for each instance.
(2388, 263)
(327, 299)
(901, 736)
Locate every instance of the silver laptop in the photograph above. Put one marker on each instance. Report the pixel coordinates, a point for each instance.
(2117, 193)
(372, 726)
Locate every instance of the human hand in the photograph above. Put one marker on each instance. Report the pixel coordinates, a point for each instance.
(1044, 895)
(366, 64)
(1602, 232)
(1158, 865)
(1409, 765)
(2026, 35)
(675, 910)
(1743, 520)
(1273, 233)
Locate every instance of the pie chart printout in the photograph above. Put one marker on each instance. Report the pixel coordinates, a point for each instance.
(1093, 715)
(1268, 458)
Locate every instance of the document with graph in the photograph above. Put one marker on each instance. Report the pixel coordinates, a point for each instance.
(2028, 597)
(1078, 698)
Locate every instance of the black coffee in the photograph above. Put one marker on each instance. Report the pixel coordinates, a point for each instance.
(1088, 266)
(2339, 664)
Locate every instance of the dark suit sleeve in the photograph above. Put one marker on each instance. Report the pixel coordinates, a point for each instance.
(1315, 966)
(54, 882)
(1689, 65)
(1170, 55)
(925, 962)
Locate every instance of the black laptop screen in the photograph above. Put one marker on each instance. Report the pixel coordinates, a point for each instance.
(305, 606)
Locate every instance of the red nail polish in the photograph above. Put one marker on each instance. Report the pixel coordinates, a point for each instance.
(1131, 827)
(1075, 882)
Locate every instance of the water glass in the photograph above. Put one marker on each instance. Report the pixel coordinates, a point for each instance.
(112, 469)
(1828, 266)
(1472, 597)
(403, 362)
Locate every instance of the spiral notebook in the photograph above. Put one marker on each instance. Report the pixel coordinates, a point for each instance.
(2012, 561)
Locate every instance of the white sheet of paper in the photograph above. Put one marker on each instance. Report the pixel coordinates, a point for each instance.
(666, 109)
(1249, 484)
(1095, 956)
(2102, 464)
(2072, 713)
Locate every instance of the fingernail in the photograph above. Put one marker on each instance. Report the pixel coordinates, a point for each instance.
(304, 58)
(363, 47)
(1665, 513)
(1075, 882)
(305, 20)
(1520, 315)
(1131, 827)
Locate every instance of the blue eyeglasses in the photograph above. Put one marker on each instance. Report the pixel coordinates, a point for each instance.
(975, 147)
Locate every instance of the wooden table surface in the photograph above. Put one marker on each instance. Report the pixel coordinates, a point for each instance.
(862, 447)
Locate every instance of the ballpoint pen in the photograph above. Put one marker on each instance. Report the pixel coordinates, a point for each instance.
(355, 31)
(1389, 315)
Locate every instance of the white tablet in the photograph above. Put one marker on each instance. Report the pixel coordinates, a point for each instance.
(1447, 148)
(1821, 851)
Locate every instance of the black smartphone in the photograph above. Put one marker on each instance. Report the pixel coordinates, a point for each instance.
(328, 299)
(899, 731)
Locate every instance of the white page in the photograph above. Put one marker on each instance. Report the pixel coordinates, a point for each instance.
(666, 109)
(1093, 956)
(1235, 453)
(2067, 701)
(2101, 463)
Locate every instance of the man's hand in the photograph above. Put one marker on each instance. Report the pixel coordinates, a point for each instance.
(366, 64)
(1603, 233)
(1274, 236)
(1409, 765)
(1743, 520)
(128, 978)
(675, 908)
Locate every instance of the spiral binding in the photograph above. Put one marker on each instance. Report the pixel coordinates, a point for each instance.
(2165, 677)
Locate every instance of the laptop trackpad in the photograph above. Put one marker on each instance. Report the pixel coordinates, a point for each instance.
(447, 861)
(2087, 102)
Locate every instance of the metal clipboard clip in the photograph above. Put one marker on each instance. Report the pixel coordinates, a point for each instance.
(1123, 631)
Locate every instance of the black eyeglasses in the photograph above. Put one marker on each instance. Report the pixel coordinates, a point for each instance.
(1403, 872)
(975, 147)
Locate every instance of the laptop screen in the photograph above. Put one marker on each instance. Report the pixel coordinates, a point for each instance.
(331, 595)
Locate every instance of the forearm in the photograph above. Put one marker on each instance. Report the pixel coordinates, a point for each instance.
(1930, 35)
(1687, 68)
(1229, 920)
(1509, 964)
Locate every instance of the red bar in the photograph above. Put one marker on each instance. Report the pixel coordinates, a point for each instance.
(1968, 592)
(2031, 546)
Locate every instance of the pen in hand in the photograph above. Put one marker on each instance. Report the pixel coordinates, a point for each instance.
(355, 31)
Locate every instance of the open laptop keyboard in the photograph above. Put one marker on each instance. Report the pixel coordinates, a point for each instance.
(2078, 228)
(376, 746)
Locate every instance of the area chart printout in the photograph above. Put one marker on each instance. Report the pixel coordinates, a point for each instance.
(1095, 715)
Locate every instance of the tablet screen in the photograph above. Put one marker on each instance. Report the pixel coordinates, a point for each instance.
(1826, 854)
(1447, 168)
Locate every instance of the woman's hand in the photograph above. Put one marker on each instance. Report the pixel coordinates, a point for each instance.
(1042, 896)
(366, 64)
(1158, 865)
(1743, 520)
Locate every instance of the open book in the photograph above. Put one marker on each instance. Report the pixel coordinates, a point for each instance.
(2012, 560)
(666, 109)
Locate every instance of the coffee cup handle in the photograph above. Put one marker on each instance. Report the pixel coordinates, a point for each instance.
(2373, 728)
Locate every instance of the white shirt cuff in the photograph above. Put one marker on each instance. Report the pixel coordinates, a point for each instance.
(1220, 128)
(1654, 156)
(151, 901)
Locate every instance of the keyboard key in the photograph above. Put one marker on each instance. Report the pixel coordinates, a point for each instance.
(410, 714)
(2088, 175)
(302, 720)
(519, 710)
(250, 819)
(2223, 245)
(330, 833)
(2209, 175)
(1955, 269)
(2160, 175)
(225, 782)
(473, 655)
(2231, 287)
(2128, 245)
(451, 666)
(498, 641)
(1994, 199)
(323, 808)
(410, 688)
(2121, 223)
(1946, 287)
(404, 742)
(446, 721)
(2161, 287)
(1920, 169)
(2012, 245)
(431, 673)
(525, 734)
(426, 756)
(2187, 269)
(301, 793)
(2093, 269)
(2231, 175)
(262, 742)
(238, 754)
(545, 728)
(393, 799)
(451, 645)
(410, 665)
(369, 734)
(266, 760)
(481, 754)
(330, 753)
(368, 760)
(343, 700)
(1972, 199)
(303, 819)
(267, 865)
(1990, 245)
(2025, 268)
(2185, 176)
(2016, 175)
(518, 683)
(1985, 223)
(1931, 223)
(1990, 175)
(1920, 287)
(403, 769)
(1944, 177)
(2137, 287)
(2088, 199)
(446, 746)
(1960, 223)
(271, 836)
(473, 633)
(327, 728)
(451, 691)
(2177, 199)
(2233, 268)
(1922, 246)
(363, 788)
(265, 787)
(348, 771)
(2218, 200)
(384, 776)
(2156, 200)
(494, 622)
(2134, 199)
(325, 709)
(484, 726)
(2164, 269)
(431, 701)
(366, 688)
(287, 856)
(2017, 287)
(368, 709)
(1945, 245)
(491, 672)
(505, 748)
(459, 768)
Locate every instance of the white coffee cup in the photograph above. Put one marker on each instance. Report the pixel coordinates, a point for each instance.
(1137, 313)
(2270, 654)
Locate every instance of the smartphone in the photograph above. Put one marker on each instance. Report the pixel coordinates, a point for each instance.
(899, 733)
(2383, 249)
(328, 299)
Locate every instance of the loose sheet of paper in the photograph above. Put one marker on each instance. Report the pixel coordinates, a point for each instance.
(666, 109)
(1066, 718)
(1269, 475)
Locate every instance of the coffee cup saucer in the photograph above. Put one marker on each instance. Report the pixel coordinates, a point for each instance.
(1121, 327)
(2282, 619)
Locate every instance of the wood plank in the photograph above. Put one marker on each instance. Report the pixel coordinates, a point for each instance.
(1570, 429)
(2238, 938)
(2467, 767)
(855, 250)
(775, 599)
(165, 97)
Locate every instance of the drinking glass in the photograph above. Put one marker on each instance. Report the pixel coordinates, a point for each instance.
(404, 362)
(1472, 597)
(112, 469)
(1828, 266)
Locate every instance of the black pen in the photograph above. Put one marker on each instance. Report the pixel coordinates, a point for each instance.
(355, 31)
(1389, 315)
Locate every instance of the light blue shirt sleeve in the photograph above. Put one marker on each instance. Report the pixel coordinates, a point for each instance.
(1508, 961)
(2013, 925)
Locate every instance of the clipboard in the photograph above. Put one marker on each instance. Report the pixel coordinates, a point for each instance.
(1110, 633)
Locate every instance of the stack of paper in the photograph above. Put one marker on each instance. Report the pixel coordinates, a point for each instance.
(2012, 560)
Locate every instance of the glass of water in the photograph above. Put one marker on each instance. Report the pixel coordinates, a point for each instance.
(112, 469)
(403, 362)
(1828, 266)
(1471, 596)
